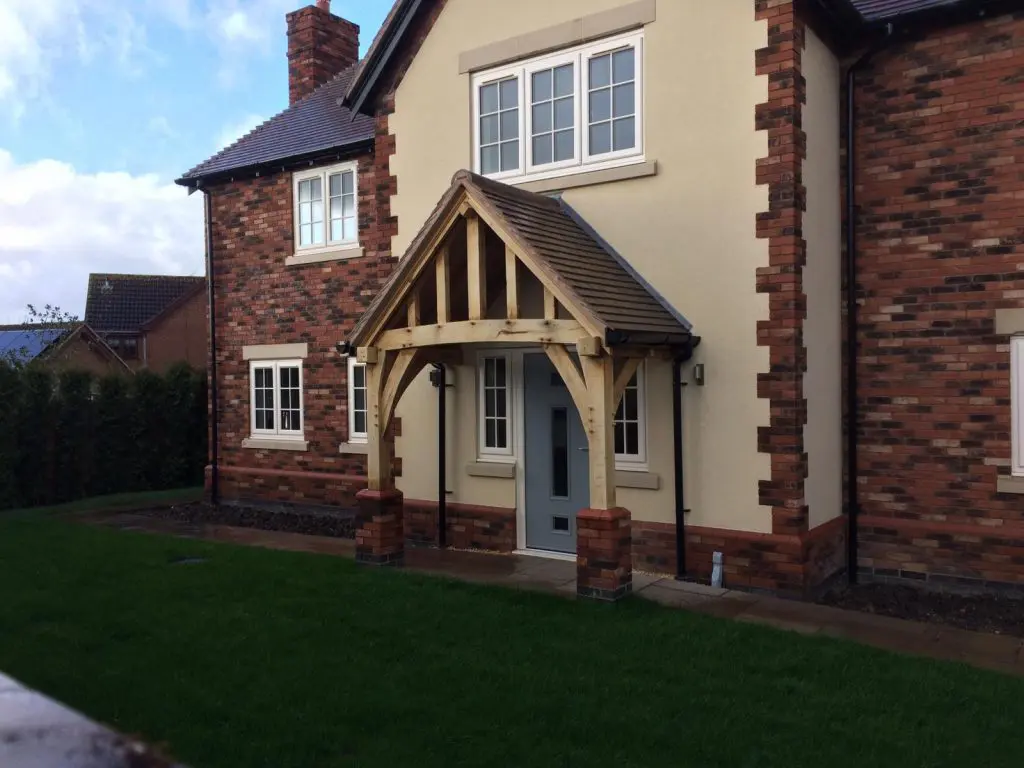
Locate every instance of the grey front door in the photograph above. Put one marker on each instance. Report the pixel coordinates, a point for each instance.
(557, 459)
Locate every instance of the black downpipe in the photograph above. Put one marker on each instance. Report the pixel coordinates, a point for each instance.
(440, 376)
(212, 311)
(852, 410)
(677, 452)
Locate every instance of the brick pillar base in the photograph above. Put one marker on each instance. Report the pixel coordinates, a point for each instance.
(380, 539)
(604, 564)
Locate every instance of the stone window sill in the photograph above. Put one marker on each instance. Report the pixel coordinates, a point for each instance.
(1010, 484)
(491, 469)
(354, 448)
(648, 481)
(586, 178)
(318, 257)
(269, 444)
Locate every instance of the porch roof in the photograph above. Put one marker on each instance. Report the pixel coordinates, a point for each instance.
(595, 278)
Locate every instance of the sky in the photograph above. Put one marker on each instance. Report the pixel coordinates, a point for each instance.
(103, 103)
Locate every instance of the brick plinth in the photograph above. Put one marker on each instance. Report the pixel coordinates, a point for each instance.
(468, 526)
(604, 541)
(380, 539)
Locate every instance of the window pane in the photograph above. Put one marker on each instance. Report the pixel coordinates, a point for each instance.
(632, 439)
(509, 93)
(499, 368)
(360, 422)
(489, 159)
(563, 80)
(348, 182)
(304, 191)
(629, 402)
(359, 399)
(542, 149)
(489, 372)
(564, 145)
(599, 71)
(318, 234)
(317, 189)
(501, 403)
(359, 375)
(490, 434)
(350, 229)
(337, 229)
(542, 118)
(489, 98)
(541, 85)
(318, 211)
(348, 205)
(501, 436)
(510, 124)
(306, 234)
(623, 100)
(620, 439)
(305, 213)
(600, 138)
(510, 156)
(625, 133)
(335, 184)
(622, 65)
(600, 105)
(488, 129)
(559, 453)
(564, 116)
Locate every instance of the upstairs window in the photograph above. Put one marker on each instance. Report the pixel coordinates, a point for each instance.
(581, 110)
(326, 208)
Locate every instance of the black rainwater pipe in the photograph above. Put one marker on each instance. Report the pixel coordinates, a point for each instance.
(439, 381)
(212, 312)
(852, 410)
(677, 453)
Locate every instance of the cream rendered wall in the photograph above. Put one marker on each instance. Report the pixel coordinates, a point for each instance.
(822, 284)
(689, 230)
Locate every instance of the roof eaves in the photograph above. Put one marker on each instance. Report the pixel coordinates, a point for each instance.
(381, 50)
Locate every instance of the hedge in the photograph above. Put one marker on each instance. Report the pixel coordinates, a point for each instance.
(70, 436)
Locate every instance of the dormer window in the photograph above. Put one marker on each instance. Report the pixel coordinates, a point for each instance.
(568, 112)
(326, 212)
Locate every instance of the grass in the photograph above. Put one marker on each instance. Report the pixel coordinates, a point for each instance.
(264, 658)
(135, 500)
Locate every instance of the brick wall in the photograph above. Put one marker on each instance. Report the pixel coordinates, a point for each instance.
(262, 301)
(320, 45)
(941, 243)
(180, 336)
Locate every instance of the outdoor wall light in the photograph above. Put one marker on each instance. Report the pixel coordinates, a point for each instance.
(698, 374)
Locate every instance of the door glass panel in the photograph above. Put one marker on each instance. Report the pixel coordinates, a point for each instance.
(559, 524)
(559, 453)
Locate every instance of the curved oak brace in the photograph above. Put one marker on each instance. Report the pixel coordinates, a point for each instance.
(566, 367)
(407, 366)
(625, 372)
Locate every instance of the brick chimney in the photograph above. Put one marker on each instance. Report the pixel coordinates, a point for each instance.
(320, 45)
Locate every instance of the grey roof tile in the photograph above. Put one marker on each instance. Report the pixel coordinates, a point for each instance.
(124, 303)
(313, 124)
(877, 10)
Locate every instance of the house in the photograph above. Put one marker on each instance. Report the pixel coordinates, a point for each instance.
(570, 279)
(152, 321)
(72, 346)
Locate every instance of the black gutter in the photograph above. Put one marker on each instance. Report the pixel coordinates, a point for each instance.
(381, 55)
(290, 163)
(212, 311)
(852, 406)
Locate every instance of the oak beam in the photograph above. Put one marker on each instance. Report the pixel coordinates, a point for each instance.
(550, 309)
(480, 331)
(476, 268)
(563, 362)
(599, 374)
(379, 476)
(511, 284)
(413, 310)
(408, 363)
(441, 275)
(626, 370)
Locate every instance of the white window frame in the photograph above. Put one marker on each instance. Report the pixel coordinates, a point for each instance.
(582, 160)
(324, 174)
(636, 462)
(355, 436)
(1017, 404)
(277, 433)
(485, 453)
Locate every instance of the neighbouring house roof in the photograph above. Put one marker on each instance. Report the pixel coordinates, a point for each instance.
(125, 303)
(26, 342)
(597, 280)
(875, 10)
(315, 124)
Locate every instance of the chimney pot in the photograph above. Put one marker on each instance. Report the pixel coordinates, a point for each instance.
(323, 5)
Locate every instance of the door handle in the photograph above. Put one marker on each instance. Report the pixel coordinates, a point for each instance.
(585, 450)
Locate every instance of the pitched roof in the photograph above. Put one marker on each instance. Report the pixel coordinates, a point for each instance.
(316, 123)
(124, 303)
(596, 280)
(32, 341)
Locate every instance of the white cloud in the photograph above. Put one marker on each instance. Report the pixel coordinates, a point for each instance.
(57, 225)
(232, 132)
(159, 125)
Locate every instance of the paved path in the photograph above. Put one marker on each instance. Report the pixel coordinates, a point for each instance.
(1002, 653)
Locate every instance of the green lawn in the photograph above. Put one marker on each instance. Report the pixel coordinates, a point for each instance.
(264, 658)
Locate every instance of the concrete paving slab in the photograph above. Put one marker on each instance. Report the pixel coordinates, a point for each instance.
(693, 588)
